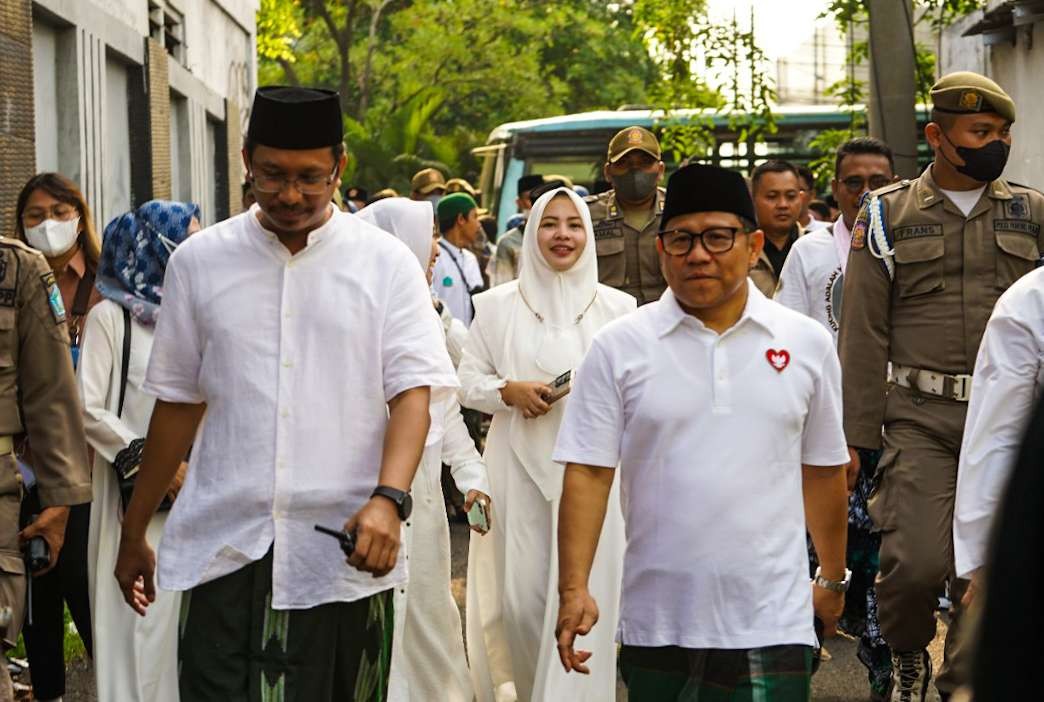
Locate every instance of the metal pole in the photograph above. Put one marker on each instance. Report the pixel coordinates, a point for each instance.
(893, 89)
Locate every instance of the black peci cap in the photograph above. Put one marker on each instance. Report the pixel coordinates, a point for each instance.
(702, 188)
(295, 118)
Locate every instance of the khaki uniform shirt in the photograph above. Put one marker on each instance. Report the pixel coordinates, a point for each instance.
(627, 258)
(504, 268)
(949, 272)
(38, 396)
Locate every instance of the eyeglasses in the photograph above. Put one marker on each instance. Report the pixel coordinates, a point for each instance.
(716, 240)
(306, 184)
(62, 212)
(857, 184)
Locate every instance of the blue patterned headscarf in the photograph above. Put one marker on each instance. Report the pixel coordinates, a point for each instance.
(135, 250)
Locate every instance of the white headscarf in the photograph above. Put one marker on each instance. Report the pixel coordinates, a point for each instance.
(542, 350)
(410, 221)
(413, 223)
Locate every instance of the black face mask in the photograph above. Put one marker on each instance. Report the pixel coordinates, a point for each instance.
(635, 186)
(984, 164)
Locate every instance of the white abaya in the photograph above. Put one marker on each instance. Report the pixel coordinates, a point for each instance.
(512, 599)
(428, 659)
(136, 658)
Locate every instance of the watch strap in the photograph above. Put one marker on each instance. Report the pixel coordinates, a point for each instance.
(395, 495)
(833, 585)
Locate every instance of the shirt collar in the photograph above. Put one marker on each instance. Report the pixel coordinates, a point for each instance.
(670, 315)
(314, 237)
(841, 229)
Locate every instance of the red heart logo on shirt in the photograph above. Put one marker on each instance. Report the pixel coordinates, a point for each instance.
(778, 359)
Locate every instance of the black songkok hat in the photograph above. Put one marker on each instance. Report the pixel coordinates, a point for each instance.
(702, 188)
(296, 118)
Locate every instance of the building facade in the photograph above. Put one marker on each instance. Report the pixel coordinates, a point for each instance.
(1005, 41)
(132, 99)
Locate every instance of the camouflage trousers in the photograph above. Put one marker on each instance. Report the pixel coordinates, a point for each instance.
(234, 647)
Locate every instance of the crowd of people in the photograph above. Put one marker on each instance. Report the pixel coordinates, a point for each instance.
(695, 430)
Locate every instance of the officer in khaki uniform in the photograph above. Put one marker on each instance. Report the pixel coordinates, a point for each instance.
(38, 395)
(929, 259)
(626, 219)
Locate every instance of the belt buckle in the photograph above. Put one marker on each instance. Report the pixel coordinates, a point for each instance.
(962, 385)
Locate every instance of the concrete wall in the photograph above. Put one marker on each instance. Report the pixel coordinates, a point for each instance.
(1018, 68)
(114, 112)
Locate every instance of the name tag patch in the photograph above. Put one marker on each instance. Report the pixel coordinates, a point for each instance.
(54, 297)
(611, 231)
(1016, 225)
(916, 231)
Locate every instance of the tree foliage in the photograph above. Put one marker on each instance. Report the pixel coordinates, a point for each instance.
(422, 81)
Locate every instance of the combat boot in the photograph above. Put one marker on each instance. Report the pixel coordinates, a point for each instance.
(911, 675)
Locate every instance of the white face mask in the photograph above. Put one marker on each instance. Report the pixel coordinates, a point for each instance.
(53, 237)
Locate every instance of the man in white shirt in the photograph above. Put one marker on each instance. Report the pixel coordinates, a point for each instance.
(306, 338)
(457, 274)
(1006, 385)
(723, 411)
(811, 283)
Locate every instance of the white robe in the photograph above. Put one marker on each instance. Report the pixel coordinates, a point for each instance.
(428, 659)
(135, 657)
(512, 598)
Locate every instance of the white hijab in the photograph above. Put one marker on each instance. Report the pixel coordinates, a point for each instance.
(543, 350)
(413, 223)
(410, 221)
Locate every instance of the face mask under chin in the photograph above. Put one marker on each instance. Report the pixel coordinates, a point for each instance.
(984, 164)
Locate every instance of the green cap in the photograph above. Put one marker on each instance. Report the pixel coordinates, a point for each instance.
(631, 139)
(456, 204)
(966, 93)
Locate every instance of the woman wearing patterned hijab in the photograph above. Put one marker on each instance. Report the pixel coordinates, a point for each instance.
(135, 658)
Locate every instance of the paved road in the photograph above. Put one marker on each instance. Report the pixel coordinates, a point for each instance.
(841, 679)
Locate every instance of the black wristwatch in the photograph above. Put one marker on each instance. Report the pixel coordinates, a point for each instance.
(403, 501)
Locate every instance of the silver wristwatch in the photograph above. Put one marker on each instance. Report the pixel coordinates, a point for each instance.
(833, 585)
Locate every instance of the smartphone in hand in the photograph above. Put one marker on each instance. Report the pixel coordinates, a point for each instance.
(478, 516)
(560, 387)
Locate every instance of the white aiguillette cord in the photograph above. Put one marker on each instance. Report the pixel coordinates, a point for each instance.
(540, 317)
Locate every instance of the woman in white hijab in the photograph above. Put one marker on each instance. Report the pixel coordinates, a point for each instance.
(525, 334)
(428, 660)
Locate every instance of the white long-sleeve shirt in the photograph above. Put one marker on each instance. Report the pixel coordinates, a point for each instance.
(1009, 375)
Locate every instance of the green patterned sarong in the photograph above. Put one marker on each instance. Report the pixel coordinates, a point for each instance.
(673, 674)
(235, 648)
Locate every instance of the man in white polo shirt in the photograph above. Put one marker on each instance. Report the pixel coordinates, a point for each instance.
(307, 339)
(722, 410)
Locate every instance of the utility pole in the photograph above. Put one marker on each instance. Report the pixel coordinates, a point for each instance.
(893, 89)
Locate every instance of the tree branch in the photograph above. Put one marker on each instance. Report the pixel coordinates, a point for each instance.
(371, 46)
(289, 72)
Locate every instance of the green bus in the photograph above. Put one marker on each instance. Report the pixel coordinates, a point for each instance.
(575, 146)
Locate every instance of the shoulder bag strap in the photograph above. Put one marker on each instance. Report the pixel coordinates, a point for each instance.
(125, 363)
(83, 294)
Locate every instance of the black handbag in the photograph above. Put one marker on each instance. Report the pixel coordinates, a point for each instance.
(128, 461)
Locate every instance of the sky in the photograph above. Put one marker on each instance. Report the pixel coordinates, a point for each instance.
(781, 26)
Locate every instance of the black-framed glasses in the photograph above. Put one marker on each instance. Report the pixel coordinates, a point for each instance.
(716, 240)
(857, 184)
(306, 184)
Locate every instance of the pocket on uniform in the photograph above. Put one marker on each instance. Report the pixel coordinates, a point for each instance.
(881, 504)
(7, 325)
(1018, 255)
(12, 593)
(919, 266)
(612, 266)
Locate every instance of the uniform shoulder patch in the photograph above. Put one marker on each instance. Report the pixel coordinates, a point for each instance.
(859, 233)
(893, 187)
(54, 297)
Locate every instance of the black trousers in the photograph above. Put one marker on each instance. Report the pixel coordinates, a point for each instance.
(66, 584)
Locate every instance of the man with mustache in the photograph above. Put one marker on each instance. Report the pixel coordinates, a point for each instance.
(929, 259)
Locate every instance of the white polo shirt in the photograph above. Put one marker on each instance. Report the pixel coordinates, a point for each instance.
(1008, 380)
(296, 358)
(456, 271)
(710, 438)
(813, 276)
